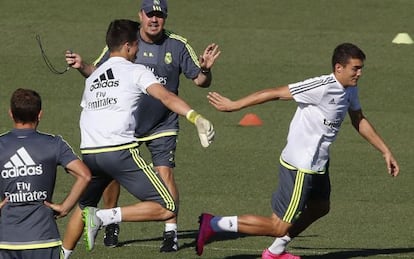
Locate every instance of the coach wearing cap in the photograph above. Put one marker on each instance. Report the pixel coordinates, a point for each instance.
(155, 6)
(167, 55)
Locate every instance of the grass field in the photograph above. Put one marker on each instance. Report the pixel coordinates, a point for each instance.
(264, 43)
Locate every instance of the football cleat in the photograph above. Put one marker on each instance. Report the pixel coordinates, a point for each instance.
(92, 226)
(169, 242)
(268, 255)
(111, 235)
(205, 232)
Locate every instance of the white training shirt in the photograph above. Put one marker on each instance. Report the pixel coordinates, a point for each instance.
(109, 101)
(322, 106)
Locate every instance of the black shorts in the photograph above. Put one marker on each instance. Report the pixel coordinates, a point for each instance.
(162, 150)
(131, 171)
(39, 253)
(295, 189)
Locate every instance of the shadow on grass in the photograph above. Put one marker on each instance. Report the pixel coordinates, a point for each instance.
(187, 234)
(244, 256)
(349, 254)
(337, 254)
(184, 234)
(353, 253)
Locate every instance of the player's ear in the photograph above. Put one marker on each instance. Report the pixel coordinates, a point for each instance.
(10, 114)
(140, 15)
(39, 116)
(338, 68)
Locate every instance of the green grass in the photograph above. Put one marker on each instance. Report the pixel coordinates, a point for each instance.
(264, 43)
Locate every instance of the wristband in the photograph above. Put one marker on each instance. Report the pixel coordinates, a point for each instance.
(192, 116)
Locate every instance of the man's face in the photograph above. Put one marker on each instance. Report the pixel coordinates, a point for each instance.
(349, 74)
(152, 23)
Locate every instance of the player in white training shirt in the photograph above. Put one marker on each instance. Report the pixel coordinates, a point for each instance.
(108, 106)
(303, 193)
(109, 147)
(169, 56)
(322, 105)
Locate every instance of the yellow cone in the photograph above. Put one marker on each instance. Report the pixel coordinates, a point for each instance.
(402, 38)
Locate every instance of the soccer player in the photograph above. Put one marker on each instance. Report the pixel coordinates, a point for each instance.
(167, 55)
(302, 195)
(28, 164)
(108, 145)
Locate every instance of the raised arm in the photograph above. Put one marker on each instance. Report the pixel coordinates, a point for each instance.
(207, 59)
(74, 60)
(224, 104)
(367, 131)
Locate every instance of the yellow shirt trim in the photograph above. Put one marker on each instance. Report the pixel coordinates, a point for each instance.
(306, 171)
(108, 149)
(159, 135)
(30, 246)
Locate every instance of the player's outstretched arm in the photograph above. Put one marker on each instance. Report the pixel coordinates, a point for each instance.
(367, 131)
(204, 127)
(74, 60)
(224, 104)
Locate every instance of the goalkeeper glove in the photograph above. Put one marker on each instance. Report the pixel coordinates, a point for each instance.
(204, 127)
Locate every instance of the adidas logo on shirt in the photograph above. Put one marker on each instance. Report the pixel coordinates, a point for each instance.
(21, 164)
(104, 80)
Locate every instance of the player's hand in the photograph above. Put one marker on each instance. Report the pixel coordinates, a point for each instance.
(3, 202)
(205, 131)
(73, 60)
(204, 127)
(209, 56)
(392, 165)
(221, 103)
(58, 209)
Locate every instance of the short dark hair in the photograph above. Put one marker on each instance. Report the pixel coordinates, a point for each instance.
(120, 32)
(344, 52)
(25, 105)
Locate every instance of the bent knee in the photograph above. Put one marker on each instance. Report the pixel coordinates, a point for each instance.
(279, 227)
(168, 215)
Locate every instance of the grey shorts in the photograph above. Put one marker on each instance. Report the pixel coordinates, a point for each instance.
(295, 189)
(40, 253)
(131, 171)
(163, 150)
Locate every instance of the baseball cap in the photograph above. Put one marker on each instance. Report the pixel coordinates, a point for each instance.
(155, 6)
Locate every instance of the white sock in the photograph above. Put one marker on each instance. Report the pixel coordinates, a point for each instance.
(224, 224)
(66, 253)
(279, 245)
(110, 216)
(171, 227)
